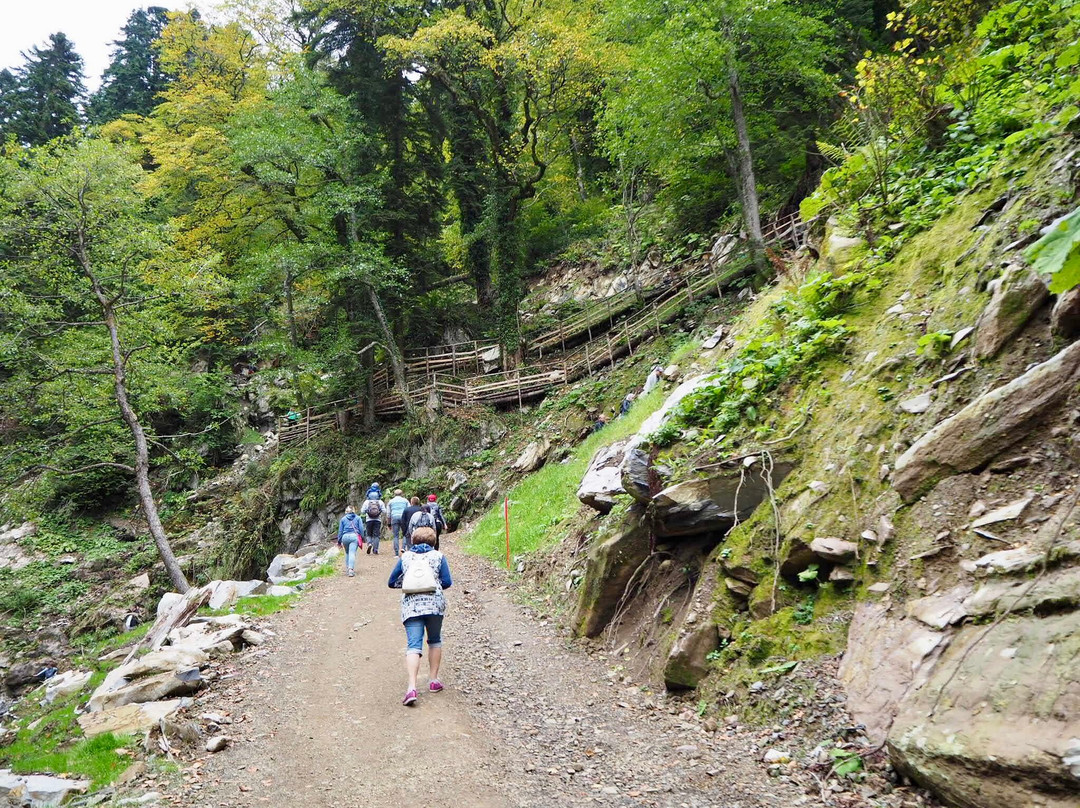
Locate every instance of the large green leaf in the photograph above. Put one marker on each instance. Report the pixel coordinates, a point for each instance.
(1057, 254)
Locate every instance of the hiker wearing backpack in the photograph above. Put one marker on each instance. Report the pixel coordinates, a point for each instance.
(373, 511)
(423, 528)
(349, 531)
(406, 521)
(396, 507)
(422, 574)
(435, 510)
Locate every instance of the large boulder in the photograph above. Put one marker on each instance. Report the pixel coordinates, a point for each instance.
(151, 688)
(688, 661)
(129, 719)
(1065, 316)
(634, 474)
(1016, 296)
(157, 666)
(610, 565)
(603, 479)
(224, 594)
(10, 534)
(988, 425)
(533, 456)
(999, 716)
(714, 503)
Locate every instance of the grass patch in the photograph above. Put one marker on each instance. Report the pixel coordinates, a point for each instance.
(45, 741)
(542, 502)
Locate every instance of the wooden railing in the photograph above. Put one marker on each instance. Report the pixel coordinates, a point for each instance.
(626, 325)
(301, 425)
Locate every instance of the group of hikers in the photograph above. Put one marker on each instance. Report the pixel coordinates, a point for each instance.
(401, 516)
(421, 571)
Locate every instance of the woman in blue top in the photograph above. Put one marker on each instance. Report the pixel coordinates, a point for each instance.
(350, 528)
(422, 612)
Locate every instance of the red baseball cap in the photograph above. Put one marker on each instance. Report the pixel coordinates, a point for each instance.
(430, 497)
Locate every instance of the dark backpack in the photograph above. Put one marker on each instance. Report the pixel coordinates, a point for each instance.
(374, 511)
(436, 513)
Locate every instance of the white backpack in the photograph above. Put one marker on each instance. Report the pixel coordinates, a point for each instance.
(420, 577)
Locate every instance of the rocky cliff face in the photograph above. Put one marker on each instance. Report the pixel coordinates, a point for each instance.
(919, 515)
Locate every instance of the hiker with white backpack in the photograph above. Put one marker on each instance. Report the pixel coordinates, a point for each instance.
(349, 532)
(373, 510)
(422, 574)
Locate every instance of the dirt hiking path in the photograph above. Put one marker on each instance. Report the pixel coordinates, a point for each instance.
(526, 719)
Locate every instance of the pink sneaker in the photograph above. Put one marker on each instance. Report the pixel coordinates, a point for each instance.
(410, 698)
(435, 686)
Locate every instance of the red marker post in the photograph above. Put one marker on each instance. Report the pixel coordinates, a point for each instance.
(506, 518)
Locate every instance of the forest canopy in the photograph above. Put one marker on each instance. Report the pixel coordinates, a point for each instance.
(304, 189)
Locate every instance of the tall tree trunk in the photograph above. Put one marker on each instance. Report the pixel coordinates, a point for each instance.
(142, 451)
(369, 389)
(290, 312)
(745, 169)
(579, 168)
(397, 361)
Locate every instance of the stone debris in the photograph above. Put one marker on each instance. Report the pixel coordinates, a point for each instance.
(837, 551)
(37, 789)
(917, 405)
(66, 683)
(217, 743)
(1003, 514)
(129, 719)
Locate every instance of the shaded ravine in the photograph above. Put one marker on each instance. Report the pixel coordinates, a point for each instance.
(527, 718)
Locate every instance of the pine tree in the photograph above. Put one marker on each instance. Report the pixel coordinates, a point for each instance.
(45, 94)
(132, 81)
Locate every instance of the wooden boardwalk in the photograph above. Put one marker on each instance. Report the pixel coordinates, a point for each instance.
(471, 373)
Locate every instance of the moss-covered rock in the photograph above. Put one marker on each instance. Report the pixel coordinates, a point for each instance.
(609, 568)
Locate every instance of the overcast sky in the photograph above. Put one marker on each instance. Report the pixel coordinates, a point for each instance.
(92, 25)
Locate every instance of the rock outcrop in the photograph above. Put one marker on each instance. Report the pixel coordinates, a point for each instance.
(610, 565)
(714, 503)
(988, 425)
(38, 789)
(985, 713)
(1016, 296)
(603, 479)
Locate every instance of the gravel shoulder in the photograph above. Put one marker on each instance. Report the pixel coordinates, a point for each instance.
(527, 717)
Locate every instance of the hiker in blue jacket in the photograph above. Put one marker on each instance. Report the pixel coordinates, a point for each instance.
(397, 507)
(349, 532)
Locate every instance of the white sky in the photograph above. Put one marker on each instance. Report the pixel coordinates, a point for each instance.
(91, 25)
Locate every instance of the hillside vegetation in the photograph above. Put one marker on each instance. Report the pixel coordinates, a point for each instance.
(274, 217)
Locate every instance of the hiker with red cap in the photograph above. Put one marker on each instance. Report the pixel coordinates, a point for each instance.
(431, 516)
(437, 514)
